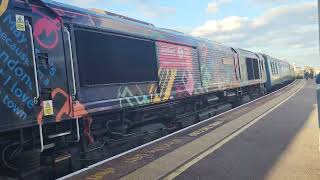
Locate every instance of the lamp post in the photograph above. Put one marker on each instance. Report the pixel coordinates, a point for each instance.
(318, 76)
(318, 98)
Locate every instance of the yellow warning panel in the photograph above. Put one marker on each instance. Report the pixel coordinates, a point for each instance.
(20, 23)
(47, 108)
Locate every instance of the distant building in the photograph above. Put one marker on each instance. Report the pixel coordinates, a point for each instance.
(298, 71)
(310, 71)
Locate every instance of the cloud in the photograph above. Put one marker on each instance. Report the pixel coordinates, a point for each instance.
(287, 31)
(213, 7)
(228, 24)
(289, 14)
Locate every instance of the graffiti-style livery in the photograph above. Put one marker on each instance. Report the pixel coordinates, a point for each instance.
(74, 81)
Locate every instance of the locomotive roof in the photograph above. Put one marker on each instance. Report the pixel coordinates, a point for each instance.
(246, 53)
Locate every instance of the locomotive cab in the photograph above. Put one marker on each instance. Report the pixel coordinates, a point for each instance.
(34, 91)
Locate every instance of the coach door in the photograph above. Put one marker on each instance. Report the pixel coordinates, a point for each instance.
(262, 68)
(237, 69)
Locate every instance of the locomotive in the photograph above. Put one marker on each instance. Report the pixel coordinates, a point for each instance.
(77, 84)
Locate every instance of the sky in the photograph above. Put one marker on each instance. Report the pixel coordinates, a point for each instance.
(285, 29)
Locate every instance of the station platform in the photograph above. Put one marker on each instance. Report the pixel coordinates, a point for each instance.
(273, 137)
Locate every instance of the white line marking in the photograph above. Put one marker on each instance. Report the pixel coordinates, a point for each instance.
(184, 167)
(167, 136)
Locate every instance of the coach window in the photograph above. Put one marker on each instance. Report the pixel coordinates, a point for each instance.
(255, 66)
(105, 58)
(250, 70)
(279, 68)
(272, 67)
(275, 68)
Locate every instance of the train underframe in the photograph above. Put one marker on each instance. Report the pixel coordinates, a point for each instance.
(69, 146)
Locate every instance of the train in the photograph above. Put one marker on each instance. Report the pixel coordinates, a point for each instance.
(76, 84)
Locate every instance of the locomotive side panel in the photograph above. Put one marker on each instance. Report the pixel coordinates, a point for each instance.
(122, 70)
(217, 67)
(179, 73)
(130, 94)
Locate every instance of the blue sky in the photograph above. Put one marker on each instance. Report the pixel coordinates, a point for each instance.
(286, 29)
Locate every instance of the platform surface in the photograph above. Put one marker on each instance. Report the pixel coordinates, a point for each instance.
(282, 145)
(275, 137)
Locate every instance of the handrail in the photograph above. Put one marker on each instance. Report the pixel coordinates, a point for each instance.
(78, 130)
(41, 138)
(74, 93)
(35, 100)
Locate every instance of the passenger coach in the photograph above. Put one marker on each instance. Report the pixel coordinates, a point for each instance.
(278, 72)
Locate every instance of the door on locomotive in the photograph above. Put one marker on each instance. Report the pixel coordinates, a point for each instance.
(54, 63)
(237, 64)
(263, 72)
(32, 66)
